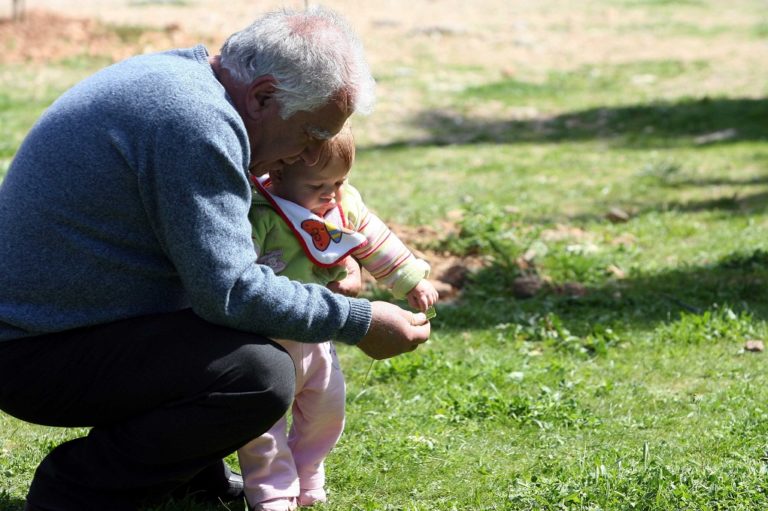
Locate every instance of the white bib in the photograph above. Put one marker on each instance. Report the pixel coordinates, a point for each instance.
(326, 240)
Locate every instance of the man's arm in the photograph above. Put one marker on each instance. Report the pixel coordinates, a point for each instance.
(197, 196)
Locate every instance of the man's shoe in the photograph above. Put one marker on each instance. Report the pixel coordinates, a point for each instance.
(215, 482)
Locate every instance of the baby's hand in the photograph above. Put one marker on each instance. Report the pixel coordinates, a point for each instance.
(423, 296)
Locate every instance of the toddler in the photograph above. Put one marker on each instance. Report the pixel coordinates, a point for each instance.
(306, 222)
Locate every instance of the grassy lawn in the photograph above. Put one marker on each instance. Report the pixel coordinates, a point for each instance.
(615, 152)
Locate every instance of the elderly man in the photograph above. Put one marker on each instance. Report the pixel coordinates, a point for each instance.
(130, 300)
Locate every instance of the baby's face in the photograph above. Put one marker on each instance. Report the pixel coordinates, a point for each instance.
(317, 189)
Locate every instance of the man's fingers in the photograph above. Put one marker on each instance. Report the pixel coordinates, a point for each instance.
(421, 328)
(422, 332)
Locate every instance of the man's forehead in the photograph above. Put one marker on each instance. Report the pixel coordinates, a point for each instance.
(324, 123)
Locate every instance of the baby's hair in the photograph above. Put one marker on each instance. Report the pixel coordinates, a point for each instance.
(342, 145)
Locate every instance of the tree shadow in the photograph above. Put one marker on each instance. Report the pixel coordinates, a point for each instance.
(190, 504)
(736, 204)
(718, 181)
(8, 503)
(699, 122)
(641, 302)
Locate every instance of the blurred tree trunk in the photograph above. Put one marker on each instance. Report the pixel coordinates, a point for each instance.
(18, 9)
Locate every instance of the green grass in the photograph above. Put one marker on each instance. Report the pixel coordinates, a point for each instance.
(637, 393)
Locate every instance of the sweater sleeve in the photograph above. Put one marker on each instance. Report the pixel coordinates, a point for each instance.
(197, 195)
(385, 256)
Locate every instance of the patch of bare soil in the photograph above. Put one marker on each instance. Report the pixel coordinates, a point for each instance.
(41, 37)
(450, 272)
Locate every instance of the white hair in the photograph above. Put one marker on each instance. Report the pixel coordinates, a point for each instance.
(313, 55)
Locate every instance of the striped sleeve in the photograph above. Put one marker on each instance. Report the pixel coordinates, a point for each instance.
(385, 256)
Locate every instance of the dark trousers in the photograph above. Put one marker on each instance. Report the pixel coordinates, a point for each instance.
(167, 396)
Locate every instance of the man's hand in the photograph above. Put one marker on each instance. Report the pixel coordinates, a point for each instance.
(393, 331)
(352, 284)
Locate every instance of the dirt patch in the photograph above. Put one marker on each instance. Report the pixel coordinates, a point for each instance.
(43, 37)
(511, 37)
(450, 272)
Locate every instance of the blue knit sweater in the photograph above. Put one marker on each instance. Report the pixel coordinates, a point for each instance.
(130, 197)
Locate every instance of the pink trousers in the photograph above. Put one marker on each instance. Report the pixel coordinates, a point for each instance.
(284, 462)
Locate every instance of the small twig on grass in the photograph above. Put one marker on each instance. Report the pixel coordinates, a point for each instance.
(677, 301)
(368, 372)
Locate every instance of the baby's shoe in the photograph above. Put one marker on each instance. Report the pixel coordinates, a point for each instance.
(280, 504)
(309, 497)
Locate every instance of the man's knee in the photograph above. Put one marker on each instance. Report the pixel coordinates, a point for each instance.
(277, 375)
(264, 371)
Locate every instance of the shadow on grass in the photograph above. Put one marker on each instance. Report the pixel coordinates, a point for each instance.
(733, 204)
(8, 503)
(189, 504)
(685, 122)
(750, 204)
(11, 503)
(634, 303)
(719, 181)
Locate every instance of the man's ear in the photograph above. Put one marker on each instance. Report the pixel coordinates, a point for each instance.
(260, 95)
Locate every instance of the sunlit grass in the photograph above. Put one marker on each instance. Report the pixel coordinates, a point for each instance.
(634, 393)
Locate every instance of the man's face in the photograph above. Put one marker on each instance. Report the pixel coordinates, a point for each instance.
(277, 142)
